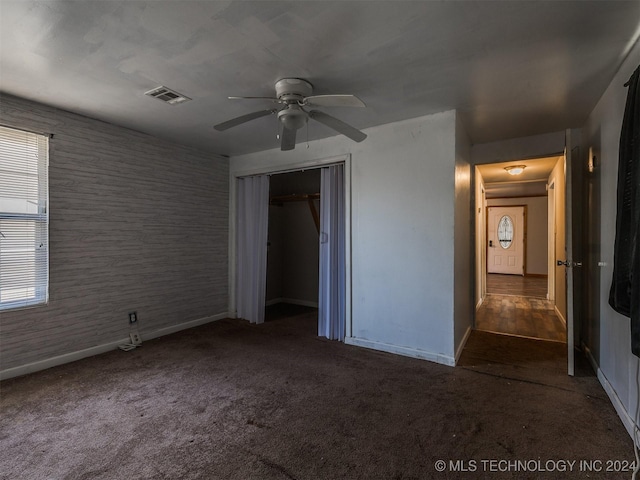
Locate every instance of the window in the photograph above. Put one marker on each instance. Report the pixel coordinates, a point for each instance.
(505, 231)
(24, 218)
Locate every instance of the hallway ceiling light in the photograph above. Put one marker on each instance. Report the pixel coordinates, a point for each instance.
(515, 169)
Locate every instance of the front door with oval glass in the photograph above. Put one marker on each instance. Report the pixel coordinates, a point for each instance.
(505, 240)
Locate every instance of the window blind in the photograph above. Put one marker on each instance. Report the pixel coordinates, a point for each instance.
(24, 218)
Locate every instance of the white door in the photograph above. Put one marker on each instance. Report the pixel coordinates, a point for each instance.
(331, 294)
(505, 240)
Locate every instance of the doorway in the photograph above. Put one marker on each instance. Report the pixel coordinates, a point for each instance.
(515, 275)
(506, 239)
(333, 294)
(292, 245)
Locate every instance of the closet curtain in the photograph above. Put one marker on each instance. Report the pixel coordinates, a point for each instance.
(624, 296)
(251, 247)
(331, 294)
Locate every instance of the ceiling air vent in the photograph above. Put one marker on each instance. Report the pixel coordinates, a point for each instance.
(167, 95)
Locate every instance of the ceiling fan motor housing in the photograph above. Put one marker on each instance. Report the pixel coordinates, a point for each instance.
(294, 89)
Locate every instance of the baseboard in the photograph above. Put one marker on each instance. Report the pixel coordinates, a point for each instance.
(304, 303)
(627, 420)
(479, 304)
(273, 301)
(182, 326)
(592, 361)
(405, 351)
(560, 316)
(61, 359)
(462, 344)
(98, 349)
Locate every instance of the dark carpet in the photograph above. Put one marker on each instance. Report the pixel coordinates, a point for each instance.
(229, 400)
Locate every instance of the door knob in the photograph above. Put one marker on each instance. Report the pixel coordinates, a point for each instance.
(577, 264)
(560, 263)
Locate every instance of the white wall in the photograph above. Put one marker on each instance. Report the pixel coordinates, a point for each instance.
(537, 218)
(618, 367)
(402, 197)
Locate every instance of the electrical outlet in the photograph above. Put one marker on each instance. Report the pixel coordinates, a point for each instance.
(133, 317)
(135, 338)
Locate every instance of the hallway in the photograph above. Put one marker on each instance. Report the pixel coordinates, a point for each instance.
(524, 286)
(517, 305)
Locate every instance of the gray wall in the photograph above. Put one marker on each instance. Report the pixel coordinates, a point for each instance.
(301, 254)
(608, 333)
(463, 240)
(275, 251)
(402, 199)
(136, 223)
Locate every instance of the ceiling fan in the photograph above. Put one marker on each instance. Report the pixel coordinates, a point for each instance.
(294, 94)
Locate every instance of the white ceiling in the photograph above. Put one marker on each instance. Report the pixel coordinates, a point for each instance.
(511, 68)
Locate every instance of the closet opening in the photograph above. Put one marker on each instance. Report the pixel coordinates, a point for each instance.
(293, 247)
(290, 245)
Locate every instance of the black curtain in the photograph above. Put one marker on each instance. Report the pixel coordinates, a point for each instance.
(625, 286)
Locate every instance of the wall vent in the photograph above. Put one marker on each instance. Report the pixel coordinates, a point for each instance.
(167, 95)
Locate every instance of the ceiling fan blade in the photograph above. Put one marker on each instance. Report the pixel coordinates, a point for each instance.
(274, 100)
(242, 119)
(338, 125)
(333, 101)
(288, 139)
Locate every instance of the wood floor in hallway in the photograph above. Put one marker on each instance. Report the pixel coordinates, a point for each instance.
(517, 285)
(522, 316)
(517, 305)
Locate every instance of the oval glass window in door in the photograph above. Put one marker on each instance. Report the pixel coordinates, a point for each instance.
(505, 231)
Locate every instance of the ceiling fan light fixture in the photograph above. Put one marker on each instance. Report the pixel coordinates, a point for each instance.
(515, 169)
(292, 117)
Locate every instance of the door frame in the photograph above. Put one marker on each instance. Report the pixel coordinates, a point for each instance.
(480, 239)
(551, 241)
(480, 236)
(287, 168)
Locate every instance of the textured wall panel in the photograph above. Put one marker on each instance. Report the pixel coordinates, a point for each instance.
(136, 223)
